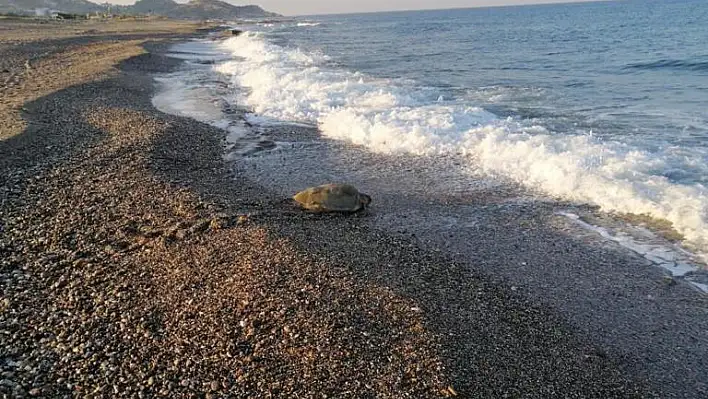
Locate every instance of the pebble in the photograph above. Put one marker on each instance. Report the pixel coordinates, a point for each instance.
(109, 167)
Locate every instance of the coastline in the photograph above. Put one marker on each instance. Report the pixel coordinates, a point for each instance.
(135, 261)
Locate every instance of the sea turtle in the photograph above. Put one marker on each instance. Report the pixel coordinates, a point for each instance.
(332, 197)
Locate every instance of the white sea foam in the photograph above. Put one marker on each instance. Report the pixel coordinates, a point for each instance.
(197, 50)
(669, 257)
(309, 23)
(184, 94)
(289, 84)
(178, 97)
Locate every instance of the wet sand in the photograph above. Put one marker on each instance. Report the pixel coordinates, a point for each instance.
(135, 262)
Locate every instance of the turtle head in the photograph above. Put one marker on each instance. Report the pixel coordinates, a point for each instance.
(364, 199)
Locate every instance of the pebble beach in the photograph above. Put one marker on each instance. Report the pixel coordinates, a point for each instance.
(136, 262)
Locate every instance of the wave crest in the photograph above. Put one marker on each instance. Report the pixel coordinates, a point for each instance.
(684, 65)
(288, 84)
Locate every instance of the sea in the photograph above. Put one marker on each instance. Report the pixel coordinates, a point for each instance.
(602, 105)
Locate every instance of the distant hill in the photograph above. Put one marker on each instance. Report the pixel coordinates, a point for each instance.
(32, 6)
(198, 9)
(195, 9)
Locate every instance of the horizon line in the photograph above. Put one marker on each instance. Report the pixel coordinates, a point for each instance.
(542, 3)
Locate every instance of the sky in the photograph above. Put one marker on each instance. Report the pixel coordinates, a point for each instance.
(310, 7)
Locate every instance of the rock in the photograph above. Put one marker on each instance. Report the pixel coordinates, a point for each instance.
(109, 249)
(181, 234)
(200, 226)
(150, 232)
(267, 144)
(18, 391)
(669, 280)
(218, 223)
(171, 234)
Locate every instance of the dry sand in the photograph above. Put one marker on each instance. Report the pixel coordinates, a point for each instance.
(135, 263)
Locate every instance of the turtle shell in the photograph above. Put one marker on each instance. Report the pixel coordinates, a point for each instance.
(331, 198)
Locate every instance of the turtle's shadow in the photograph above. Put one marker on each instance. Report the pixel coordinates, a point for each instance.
(291, 207)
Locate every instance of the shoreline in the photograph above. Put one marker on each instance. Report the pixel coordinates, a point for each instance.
(135, 261)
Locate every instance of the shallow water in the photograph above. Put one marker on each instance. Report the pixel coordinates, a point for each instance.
(472, 103)
(599, 103)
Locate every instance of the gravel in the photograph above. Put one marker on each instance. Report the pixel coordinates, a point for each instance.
(135, 263)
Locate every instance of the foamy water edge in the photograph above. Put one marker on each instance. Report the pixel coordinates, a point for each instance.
(289, 84)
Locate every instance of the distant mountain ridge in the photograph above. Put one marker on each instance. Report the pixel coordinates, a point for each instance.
(197, 9)
(194, 9)
(31, 6)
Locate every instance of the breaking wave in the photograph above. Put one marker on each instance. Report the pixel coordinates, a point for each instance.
(389, 116)
(308, 23)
